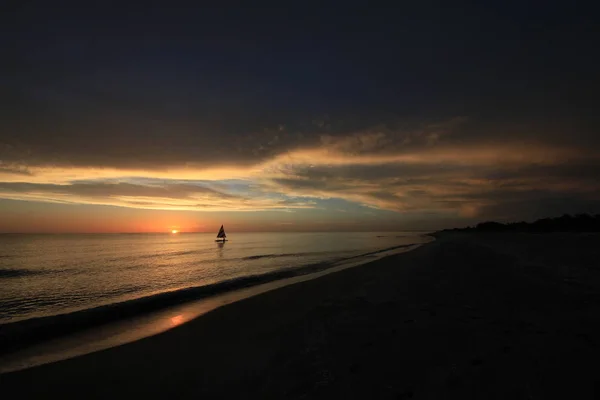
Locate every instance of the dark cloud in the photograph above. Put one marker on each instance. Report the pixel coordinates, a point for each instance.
(466, 190)
(415, 109)
(540, 205)
(213, 85)
(568, 172)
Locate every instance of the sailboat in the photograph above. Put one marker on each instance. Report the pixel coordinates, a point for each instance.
(221, 236)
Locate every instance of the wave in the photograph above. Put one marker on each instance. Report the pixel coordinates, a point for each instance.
(279, 255)
(154, 255)
(18, 272)
(372, 253)
(16, 335)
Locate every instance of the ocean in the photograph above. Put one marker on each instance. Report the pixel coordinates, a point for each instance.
(48, 275)
(62, 296)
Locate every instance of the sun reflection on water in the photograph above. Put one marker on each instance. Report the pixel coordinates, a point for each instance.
(177, 320)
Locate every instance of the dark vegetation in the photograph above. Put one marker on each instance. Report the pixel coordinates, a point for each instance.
(566, 223)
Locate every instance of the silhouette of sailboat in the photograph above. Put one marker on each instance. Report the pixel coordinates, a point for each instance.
(221, 236)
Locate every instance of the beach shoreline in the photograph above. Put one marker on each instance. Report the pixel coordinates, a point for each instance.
(29, 343)
(465, 316)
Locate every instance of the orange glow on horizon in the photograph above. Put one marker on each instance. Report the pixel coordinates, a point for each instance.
(174, 231)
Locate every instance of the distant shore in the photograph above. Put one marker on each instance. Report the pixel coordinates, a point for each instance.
(500, 315)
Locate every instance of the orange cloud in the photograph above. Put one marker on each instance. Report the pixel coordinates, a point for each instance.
(415, 172)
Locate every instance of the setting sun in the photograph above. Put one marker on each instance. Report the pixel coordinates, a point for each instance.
(174, 231)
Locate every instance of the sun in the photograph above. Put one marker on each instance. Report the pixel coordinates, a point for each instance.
(174, 231)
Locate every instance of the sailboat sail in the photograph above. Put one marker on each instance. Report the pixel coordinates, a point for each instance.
(221, 234)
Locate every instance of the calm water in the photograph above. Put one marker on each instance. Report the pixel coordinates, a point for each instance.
(45, 275)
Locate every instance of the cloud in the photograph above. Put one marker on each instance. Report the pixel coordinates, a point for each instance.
(163, 197)
(468, 180)
(9, 170)
(424, 169)
(465, 190)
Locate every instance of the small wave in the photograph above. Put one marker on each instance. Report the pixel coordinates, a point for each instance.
(16, 335)
(373, 253)
(259, 256)
(280, 255)
(18, 272)
(183, 253)
(153, 255)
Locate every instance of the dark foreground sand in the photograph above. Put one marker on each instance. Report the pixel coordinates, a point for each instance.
(496, 316)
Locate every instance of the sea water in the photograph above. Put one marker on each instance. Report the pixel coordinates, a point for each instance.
(63, 296)
(48, 275)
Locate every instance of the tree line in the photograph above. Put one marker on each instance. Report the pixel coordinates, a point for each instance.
(565, 223)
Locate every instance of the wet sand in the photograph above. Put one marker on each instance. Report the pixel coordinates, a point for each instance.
(481, 316)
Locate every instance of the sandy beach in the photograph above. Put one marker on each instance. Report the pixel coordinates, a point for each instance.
(469, 316)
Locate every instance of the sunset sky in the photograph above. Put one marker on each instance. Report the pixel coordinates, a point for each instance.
(296, 117)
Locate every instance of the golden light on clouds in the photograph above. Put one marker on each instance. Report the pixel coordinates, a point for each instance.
(327, 154)
(370, 169)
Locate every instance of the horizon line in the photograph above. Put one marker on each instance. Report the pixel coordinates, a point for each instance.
(197, 232)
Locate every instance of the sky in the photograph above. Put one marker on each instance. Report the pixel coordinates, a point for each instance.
(309, 116)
